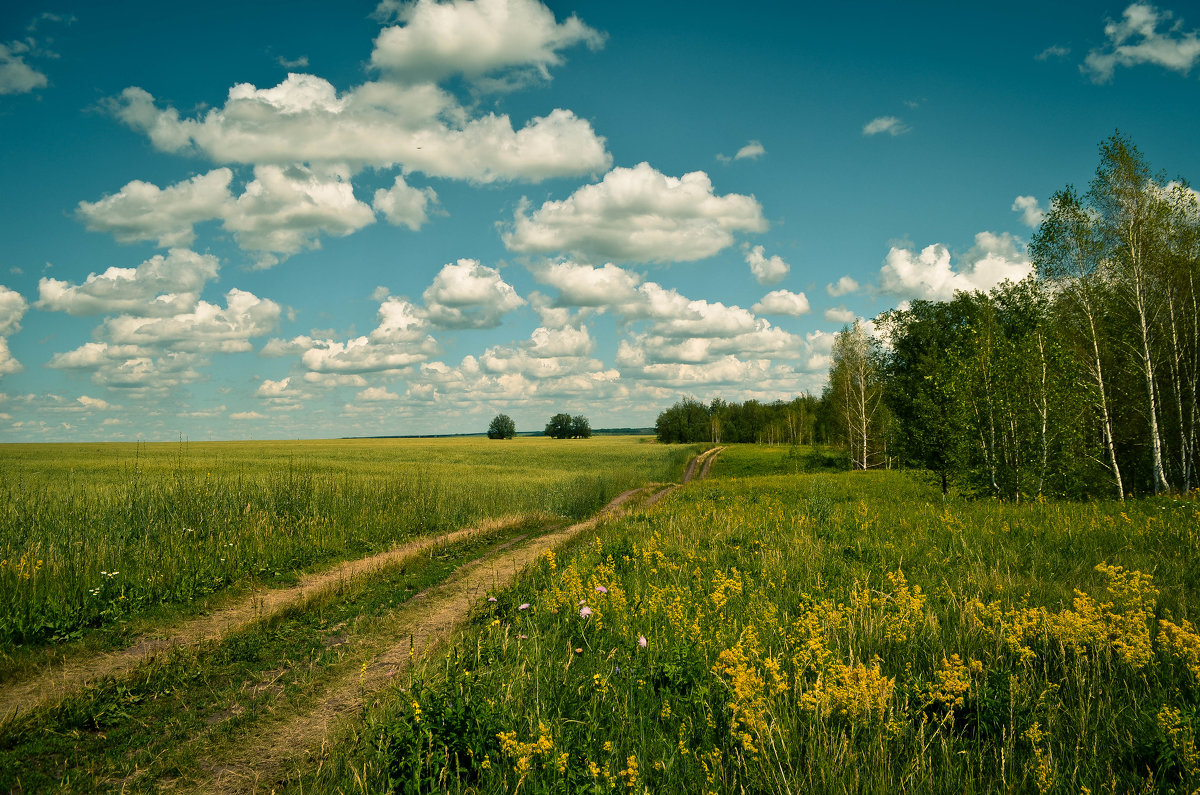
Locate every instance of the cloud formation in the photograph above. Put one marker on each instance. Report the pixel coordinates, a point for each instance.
(1135, 39)
(474, 38)
(1031, 212)
(142, 211)
(767, 270)
(16, 76)
(843, 286)
(637, 215)
(931, 275)
(891, 125)
(161, 286)
(467, 294)
(12, 309)
(783, 302)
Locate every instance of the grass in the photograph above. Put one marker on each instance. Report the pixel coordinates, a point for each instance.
(97, 536)
(818, 632)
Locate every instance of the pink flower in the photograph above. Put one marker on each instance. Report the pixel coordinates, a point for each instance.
(642, 641)
(524, 606)
(491, 598)
(585, 611)
(601, 589)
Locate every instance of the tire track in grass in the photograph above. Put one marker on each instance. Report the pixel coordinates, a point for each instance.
(425, 622)
(55, 681)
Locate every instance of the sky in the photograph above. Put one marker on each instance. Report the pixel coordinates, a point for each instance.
(255, 220)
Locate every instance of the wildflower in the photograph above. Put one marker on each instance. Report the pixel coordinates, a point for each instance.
(601, 589)
(524, 606)
(579, 650)
(585, 611)
(642, 641)
(491, 599)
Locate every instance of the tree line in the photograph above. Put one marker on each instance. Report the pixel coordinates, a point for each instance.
(802, 420)
(1080, 380)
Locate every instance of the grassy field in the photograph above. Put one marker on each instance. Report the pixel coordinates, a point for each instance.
(97, 535)
(848, 632)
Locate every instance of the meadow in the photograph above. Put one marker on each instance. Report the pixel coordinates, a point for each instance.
(850, 632)
(97, 535)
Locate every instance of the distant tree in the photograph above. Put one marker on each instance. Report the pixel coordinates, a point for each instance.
(580, 427)
(559, 426)
(502, 427)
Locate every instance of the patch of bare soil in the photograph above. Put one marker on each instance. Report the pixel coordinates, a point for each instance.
(424, 623)
(56, 681)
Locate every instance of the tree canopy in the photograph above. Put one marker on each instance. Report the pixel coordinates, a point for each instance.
(502, 427)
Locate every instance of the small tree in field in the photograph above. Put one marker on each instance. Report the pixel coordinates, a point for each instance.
(564, 426)
(502, 427)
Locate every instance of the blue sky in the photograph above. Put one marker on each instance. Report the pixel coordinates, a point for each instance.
(238, 221)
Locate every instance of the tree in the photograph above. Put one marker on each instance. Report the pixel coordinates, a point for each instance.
(502, 427)
(856, 388)
(580, 427)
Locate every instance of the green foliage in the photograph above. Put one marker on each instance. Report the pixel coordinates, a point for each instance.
(502, 427)
(564, 426)
(800, 421)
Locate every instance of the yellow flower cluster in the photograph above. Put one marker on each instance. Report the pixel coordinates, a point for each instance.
(1182, 740)
(859, 693)
(523, 753)
(753, 680)
(952, 682)
(1182, 642)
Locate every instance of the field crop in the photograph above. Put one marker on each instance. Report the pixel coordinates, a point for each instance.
(818, 632)
(94, 535)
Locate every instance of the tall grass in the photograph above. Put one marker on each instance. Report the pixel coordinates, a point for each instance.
(92, 534)
(826, 632)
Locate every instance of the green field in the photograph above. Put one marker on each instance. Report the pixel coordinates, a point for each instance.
(778, 627)
(821, 633)
(93, 535)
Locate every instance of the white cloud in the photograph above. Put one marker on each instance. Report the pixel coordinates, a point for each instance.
(474, 38)
(161, 286)
(637, 214)
(1031, 212)
(1053, 51)
(469, 295)
(547, 343)
(400, 341)
(931, 275)
(272, 389)
(16, 76)
(750, 151)
(420, 127)
(1135, 39)
(583, 285)
(404, 205)
(12, 309)
(891, 125)
(93, 404)
(206, 329)
(767, 270)
(377, 394)
(843, 286)
(783, 302)
(247, 415)
(839, 314)
(284, 210)
(143, 211)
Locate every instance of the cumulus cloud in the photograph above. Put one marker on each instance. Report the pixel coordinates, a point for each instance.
(767, 270)
(467, 294)
(154, 354)
(12, 309)
(637, 214)
(16, 76)
(475, 38)
(751, 151)
(1031, 212)
(143, 211)
(419, 127)
(161, 286)
(584, 285)
(843, 286)
(930, 274)
(783, 302)
(399, 341)
(377, 394)
(1136, 39)
(839, 314)
(285, 210)
(404, 205)
(891, 125)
